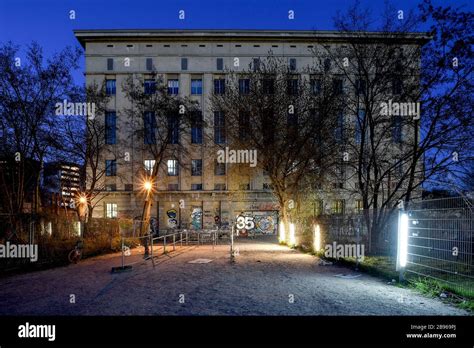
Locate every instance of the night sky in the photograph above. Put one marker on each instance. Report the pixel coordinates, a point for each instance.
(47, 21)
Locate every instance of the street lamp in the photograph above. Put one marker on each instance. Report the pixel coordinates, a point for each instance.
(82, 211)
(147, 186)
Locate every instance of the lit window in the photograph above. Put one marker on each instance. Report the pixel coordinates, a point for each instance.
(173, 87)
(111, 210)
(172, 167)
(196, 86)
(110, 87)
(149, 164)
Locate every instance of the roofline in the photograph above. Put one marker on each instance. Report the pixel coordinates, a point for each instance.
(102, 35)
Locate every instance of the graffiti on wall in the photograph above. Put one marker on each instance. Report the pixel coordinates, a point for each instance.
(172, 222)
(196, 218)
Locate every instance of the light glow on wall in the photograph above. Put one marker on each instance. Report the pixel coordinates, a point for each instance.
(292, 240)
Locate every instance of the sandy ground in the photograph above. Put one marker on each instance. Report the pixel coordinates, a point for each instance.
(266, 279)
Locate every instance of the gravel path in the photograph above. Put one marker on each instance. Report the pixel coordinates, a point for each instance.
(266, 279)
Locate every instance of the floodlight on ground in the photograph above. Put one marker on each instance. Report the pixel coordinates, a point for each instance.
(317, 238)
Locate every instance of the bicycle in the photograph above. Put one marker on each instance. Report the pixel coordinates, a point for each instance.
(76, 254)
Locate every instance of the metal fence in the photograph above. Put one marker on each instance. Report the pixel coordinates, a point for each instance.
(441, 242)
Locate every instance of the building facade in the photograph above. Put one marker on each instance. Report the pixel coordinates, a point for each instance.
(201, 194)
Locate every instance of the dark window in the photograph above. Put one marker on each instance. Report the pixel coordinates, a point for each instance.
(128, 187)
(150, 86)
(397, 86)
(149, 64)
(292, 120)
(219, 86)
(219, 168)
(397, 129)
(244, 125)
(110, 124)
(196, 86)
(360, 87)
(220, 63)
(173, 130)
(292, 86)
(219, 127)
(327, 64)
(268, 86)
(110, 64)
(358, 125)
(337, 86)
(315, 85)
(339, 131)
(256, 64)
(111, 187)
(244, 86)
(173, 187)
(196, 187)
(196, 167)
(292, 64)
(196, 128)
(110, 167)
(219, 187)
(184, 63)
(149, 128)
(173, 87)
(110, 87)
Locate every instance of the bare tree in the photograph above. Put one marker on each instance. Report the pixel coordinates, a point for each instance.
(29, 91)
(157, 119)
(389, 154)
(273, 109)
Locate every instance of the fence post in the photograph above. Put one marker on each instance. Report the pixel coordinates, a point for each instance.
(123, 255)
(181, 238)
(174, 241)
(164, 244)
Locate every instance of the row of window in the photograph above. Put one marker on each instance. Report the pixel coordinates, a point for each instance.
(150, 127)
(172, 167)
(219, 64)
(244, 86)
(338, 206)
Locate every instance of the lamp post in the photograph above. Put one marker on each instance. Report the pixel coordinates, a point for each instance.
(82, 212)
(147, 186)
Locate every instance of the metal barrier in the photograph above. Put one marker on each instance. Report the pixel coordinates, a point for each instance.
(441, 242)
(168, 240)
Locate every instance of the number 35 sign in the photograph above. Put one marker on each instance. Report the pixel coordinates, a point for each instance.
(245, 222)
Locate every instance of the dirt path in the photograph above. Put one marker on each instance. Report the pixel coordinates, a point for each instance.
(266, 279)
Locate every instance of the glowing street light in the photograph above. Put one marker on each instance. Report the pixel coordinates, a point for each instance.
(317, 238)
(402, 240)
(147, 185)
(282, 236)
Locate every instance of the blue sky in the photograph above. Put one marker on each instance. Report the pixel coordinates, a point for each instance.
(47, 21)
